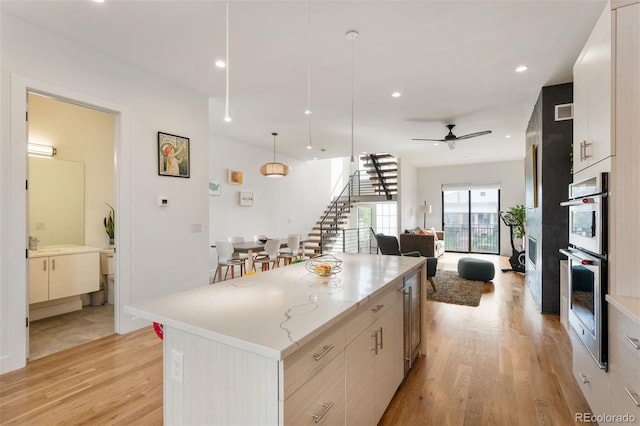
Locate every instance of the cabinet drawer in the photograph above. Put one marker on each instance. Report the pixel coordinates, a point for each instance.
(369, 311)
(624, 358)
(310, 358)
(622, 403)
(593, 381)
(320, 401)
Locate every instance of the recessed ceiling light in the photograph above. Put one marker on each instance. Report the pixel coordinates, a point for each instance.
(436, 144)
(220, 63)
(396, 94)
(508, 136)
(99, 1)
(227, 119)
(315, 158)
(307, 112)
(522, 68)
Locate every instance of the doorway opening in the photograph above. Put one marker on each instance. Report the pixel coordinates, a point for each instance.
(471, 219)
(71, 278)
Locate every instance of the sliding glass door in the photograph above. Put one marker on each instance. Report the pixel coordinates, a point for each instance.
(471, 220)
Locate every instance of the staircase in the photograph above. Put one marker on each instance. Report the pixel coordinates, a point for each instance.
(376, 182)
(382, 171)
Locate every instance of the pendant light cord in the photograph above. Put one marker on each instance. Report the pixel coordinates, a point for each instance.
(352, 73)
(227, 116)
(310, 145)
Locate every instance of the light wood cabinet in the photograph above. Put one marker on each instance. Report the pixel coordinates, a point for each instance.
(374, 359)
(592, 140)
(624, 363)
(55, 277)
(593, 382)
(625, 196)
(564, 295)
(320, 401)
(38, 279)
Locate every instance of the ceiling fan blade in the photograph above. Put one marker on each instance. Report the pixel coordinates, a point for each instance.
(432, 140)
(473, 135)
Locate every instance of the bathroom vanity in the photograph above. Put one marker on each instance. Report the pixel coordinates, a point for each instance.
(58, 275)
(286, 347)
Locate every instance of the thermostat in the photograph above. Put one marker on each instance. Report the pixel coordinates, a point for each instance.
(163, 201)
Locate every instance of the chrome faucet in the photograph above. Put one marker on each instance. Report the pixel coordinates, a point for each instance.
(33, 243)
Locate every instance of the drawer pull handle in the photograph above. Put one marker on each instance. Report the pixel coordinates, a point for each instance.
(377, 308)
(635, 342)
(375, 347)
(317, 418)
(325, 350)
(381, 347)
(44, 265)
(584, 378)
(634, 397)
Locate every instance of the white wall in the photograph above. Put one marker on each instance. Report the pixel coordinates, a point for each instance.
(509, 174)
(282, 206)
(157, 253)
(407, 199)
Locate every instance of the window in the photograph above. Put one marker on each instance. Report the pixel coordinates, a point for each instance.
(387, 218)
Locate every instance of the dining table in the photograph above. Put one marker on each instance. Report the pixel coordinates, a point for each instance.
(251, 247)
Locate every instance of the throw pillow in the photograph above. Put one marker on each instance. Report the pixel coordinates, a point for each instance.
(425, 232)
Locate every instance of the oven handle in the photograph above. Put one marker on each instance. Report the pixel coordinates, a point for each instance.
(580, 259)
(582, 201)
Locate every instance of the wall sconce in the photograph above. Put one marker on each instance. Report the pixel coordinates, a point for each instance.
(42, 150)
(426, 208)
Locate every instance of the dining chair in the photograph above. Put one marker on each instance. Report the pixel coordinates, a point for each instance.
(238, 240)
(292, 251)
(270, 257)
(225, 260)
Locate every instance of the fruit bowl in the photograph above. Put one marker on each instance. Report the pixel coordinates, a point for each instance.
(324, 265)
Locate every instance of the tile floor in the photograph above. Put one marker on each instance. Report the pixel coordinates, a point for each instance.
(54, 334)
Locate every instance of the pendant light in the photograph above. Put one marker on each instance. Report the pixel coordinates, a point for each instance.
(227, 116)
(352, 35)
(274, 169)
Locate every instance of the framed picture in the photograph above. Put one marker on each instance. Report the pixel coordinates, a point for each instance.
(246, 198)
(173, 155)
(214, 187)
(235, 177)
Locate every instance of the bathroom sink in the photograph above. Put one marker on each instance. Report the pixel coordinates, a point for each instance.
(49, 250)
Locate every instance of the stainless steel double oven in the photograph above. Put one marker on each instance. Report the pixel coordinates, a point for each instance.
(587, 259)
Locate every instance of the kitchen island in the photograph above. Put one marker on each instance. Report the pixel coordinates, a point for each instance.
(286, 346)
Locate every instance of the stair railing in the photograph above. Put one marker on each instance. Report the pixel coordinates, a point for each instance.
(381, 177)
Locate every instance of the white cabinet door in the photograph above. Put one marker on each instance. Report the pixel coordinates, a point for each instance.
(625, 170)
(360, 356)
(592, 77)
(389, 363)
(38, 279)
(74, 274)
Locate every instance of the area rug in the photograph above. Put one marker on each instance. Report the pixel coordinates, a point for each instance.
(452, 288)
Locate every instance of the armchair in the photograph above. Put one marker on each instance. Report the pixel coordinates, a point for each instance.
(388, 244)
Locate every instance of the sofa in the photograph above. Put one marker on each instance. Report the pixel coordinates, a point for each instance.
(427, 245)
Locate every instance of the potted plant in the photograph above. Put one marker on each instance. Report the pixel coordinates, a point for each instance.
(110, 224)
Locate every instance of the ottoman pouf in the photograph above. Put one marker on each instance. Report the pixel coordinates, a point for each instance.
(476, 269)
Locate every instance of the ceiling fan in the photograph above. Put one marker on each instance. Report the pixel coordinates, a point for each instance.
(451, 138)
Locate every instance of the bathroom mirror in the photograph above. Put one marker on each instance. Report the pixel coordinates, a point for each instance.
(56, 201)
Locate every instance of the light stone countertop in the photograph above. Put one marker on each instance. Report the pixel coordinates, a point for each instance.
(272, 313)
(62, 249)
(630, 306)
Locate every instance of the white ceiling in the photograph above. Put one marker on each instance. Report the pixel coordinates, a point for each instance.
(453, 62)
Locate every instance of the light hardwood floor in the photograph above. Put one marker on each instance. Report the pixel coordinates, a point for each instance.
(501, 363)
